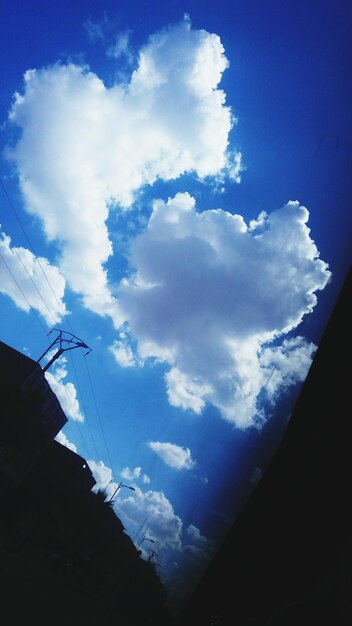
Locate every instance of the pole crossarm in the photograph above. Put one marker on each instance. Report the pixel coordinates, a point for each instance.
(63, 337)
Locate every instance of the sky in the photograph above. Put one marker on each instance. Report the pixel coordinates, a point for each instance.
(174, 193)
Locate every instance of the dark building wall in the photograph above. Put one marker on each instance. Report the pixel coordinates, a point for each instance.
(64, 556)
(61, 468)
(30, 413)
(288, 559)
(15, 367)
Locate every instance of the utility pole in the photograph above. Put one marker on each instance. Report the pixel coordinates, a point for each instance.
(63, 337)
(118, 487)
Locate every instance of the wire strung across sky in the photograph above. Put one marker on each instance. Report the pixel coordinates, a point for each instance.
(34, 254)
(31, 308)
(24, 295)
(15, 251)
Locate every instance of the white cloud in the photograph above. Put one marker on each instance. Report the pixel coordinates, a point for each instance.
(96, 30)
(61, 438)
(195, 535)
(77, 157)
(121, 47)
(150, 516)
(201, 548)
(208, 296)
(286, 363)
(102, 475)
(190, 565)
(175, 456)
(135, 474)
(123, 352)
(185, 392)
(41, 283)
(65, 392)
(163, 526)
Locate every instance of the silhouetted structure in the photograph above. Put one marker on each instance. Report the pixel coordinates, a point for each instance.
(288, 558)
(31, 415)
(64, 555)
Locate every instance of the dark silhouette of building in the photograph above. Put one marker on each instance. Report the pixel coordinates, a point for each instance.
(288, 558)
(31, 415)
(64, 554)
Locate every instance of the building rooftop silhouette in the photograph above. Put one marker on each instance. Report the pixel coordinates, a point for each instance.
(31, 415)
(64, 552)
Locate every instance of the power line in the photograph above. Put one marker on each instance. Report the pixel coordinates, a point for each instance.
(15, 212)
(140, 529)
(38, 319)
(67, 321)
(34, 254)
(24, 296)
(83, 404)
(98, 414)
(14, 250)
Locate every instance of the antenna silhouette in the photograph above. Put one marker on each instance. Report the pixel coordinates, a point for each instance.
(62, 338)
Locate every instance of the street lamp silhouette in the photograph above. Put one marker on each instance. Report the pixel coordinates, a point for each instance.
(118, 487)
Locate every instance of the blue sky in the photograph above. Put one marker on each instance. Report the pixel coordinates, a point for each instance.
(175, 193)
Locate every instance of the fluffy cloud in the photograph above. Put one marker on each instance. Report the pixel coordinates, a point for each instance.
(135, 474)
(65, 392)
(102, 475)
(198, 547)
(190, 564)
(77, 157)
(61, 438)
(123, 352)
(31, 282)
(162, 524)
(287, 364)
(209, 294)
(173, 455)
(195, 535)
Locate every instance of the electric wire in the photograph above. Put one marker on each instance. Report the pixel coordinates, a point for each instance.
(41, 324)
(25, 297)
(140, 530)
(34, 253)
(98, 414)
(83, 404)
(68, 323)
(15, 251)
(38, 319)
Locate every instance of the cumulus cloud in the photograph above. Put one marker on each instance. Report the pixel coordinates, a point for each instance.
(175, 456)
(65, 392)
(135, 474)
(31, 282)
(194, 534)
(61, 438)
(208, 295)
(198, 546)
(164, 526)
(190, 564)
(287, 364)
(123, 352)
(103, 476)
(76, 156)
